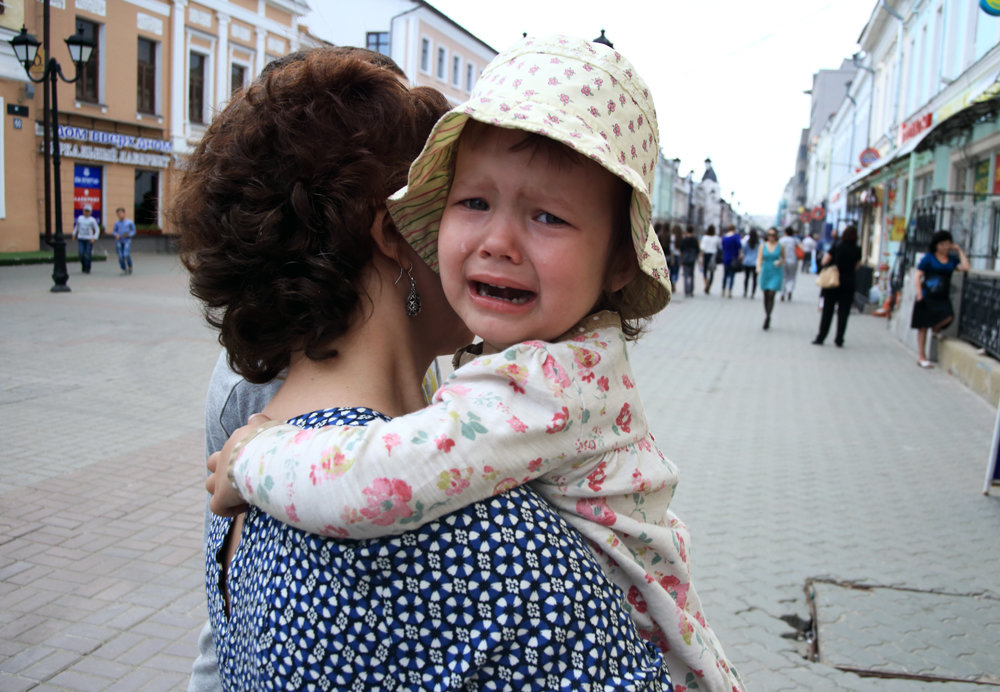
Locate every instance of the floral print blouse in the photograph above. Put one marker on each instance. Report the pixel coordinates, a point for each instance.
(563, 416)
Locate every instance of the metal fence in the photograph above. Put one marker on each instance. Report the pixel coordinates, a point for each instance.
(979, 317)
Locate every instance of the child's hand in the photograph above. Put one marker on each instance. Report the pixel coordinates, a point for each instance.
(226, 500)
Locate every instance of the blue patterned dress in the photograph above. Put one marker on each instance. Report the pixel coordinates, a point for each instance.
(500, 595)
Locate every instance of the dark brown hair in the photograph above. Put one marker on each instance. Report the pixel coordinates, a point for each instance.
(277, 201)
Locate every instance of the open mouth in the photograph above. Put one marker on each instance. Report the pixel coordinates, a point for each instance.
(515, 296)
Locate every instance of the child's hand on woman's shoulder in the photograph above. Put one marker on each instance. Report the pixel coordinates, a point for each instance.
(226, 500)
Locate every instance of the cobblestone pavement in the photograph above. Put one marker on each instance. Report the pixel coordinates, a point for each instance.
(797, 463)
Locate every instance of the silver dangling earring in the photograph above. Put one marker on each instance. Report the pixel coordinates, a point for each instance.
(412, 298)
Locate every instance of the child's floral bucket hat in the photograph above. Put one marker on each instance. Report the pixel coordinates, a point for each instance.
(582, 94)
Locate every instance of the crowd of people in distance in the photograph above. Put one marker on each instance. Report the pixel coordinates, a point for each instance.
(775, 261)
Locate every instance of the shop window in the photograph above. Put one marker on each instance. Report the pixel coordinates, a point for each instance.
(87, 86)
(196, 87)
(377, 41)
(146, 76)
(147, 198)
(237, 77)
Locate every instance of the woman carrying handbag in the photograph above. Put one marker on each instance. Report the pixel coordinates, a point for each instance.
(843, 258)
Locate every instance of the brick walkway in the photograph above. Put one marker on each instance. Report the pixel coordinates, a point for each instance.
(797, 463)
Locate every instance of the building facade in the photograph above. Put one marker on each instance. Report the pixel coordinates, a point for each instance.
(915, 144)
(432, 49)
(158, 73)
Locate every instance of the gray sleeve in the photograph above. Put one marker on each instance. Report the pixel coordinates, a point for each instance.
(230, 401)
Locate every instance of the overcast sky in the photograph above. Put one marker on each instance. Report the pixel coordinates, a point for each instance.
(727, 76)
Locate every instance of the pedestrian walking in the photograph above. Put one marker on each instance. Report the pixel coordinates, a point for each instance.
(731, 248)
(932, 284)
(675, 255)
(846, 256)
(808, 248)
(751, 250)
(124, 231)
(769, 268)
(791, 250)
(689, 257)
(709, 246)
(86, 230)
(665, 238)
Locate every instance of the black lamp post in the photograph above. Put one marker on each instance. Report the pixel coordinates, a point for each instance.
(26, 49)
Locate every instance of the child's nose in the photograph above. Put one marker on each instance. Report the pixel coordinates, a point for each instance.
(502, 241)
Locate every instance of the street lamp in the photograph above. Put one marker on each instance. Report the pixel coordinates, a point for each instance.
(26, 49)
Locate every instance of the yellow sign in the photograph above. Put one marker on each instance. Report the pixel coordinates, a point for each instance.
(38, 67)
(898, 231)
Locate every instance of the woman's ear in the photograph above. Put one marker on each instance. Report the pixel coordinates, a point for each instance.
(386, 237)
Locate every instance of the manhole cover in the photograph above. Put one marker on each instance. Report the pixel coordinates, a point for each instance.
(906, 633)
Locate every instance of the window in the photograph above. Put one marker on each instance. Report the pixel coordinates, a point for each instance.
(456, 70)
(425, 55)
(377, 41)
(470, 76)
(146, 76)
(237, 78)
(442, 58)
(87, 84)
(147, 193)
(196, 87)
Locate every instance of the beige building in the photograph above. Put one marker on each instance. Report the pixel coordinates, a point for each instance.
(123, 148)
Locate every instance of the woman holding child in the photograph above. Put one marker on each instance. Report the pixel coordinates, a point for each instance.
(539, 223)
(291, 249)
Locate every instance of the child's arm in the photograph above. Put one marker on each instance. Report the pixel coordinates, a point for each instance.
(498, 422)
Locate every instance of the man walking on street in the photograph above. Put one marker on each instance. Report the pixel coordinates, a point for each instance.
(124, 231)
(808, 247)
(86, 231)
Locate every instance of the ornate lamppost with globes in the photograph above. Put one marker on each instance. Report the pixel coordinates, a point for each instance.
(26, 49)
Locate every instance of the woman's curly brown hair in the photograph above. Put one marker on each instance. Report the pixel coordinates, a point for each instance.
(277, 201)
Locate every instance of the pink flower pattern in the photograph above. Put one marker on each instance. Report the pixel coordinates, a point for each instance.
(387, 501)
(595, 459)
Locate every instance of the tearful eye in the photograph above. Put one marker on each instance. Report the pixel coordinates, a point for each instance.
(550, 219)
(475, 204)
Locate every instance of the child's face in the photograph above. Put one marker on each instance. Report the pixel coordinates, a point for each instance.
(525, 240)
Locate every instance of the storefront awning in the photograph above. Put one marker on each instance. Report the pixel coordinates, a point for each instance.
(881, 167)
(961, 121)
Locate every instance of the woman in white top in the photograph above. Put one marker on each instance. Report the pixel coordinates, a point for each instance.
(788, 243)
(709, 246)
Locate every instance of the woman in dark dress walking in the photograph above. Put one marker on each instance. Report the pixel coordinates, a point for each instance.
(932, 283)
(846, 255)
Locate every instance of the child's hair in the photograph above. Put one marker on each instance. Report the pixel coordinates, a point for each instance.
(277, 202)
(574, 96)
(119, 209)
(710, 230)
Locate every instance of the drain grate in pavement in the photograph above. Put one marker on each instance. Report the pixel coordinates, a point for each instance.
(897, 632)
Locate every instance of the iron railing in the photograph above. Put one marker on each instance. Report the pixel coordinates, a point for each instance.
(979, 317)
